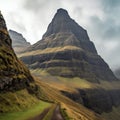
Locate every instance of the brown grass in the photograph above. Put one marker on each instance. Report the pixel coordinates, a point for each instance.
(49, 50)
(74, 110)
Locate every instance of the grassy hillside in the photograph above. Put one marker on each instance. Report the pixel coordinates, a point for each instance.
(26, 112)
(70, 84)
(16, 101)
(21, 105)
(74, 110)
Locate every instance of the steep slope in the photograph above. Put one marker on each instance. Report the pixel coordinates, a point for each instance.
(74, 110)
(66, 50)
(19, 43)
(16, 82)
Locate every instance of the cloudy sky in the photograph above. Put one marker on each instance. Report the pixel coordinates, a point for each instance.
(99, 17)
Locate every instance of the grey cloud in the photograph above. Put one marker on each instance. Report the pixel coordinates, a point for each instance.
(110, 4)
(107, 29)
(111, 8)
(17, 24)
(38, 5)
(34, 5)
(78, 11)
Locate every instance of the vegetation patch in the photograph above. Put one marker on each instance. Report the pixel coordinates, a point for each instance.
(26, 113)
(16, 101)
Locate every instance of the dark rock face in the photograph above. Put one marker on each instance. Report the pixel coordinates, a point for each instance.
(67, 51)
(19, 43)
(98, 100)
(13, 74)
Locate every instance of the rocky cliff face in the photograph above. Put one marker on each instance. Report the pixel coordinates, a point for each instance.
(66, 50)
(99, 100)
(13, 73)
(19, 43)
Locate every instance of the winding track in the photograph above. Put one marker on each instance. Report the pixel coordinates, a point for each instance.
(56, 114)
(40, 116)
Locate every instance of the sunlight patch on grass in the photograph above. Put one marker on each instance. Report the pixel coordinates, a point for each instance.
(49, 50)
(27, 113)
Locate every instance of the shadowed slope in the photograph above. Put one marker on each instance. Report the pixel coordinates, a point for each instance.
(17, 87)
(13, 73)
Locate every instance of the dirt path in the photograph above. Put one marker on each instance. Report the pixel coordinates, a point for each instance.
(57, 115)
(41, 116)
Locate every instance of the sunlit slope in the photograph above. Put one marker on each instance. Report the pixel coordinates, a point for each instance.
(73, 109)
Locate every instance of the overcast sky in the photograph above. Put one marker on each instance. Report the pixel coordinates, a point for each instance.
(101, 18)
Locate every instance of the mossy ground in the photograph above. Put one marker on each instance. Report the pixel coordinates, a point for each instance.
(21, 105)
(30, 112)
(16, 101)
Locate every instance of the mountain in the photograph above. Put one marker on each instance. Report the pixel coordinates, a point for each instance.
(19, 92)
(13, 73)
(66, 50)
(67, 60)
(19, 43)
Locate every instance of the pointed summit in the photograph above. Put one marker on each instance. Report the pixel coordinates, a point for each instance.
(61, 14)
(63, 23)
(62, 11)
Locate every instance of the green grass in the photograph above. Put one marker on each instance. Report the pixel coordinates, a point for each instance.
(27, 113)
(16, 101)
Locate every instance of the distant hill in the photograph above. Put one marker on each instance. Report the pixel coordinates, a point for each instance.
(19, 43)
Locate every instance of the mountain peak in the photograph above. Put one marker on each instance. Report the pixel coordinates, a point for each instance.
(66, 50)
(63, 23)
(61, 15)
(62, 11)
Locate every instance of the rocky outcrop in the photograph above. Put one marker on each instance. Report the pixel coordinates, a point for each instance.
(13, 73)
(66, 50)
(99, 100)
(19, 43)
